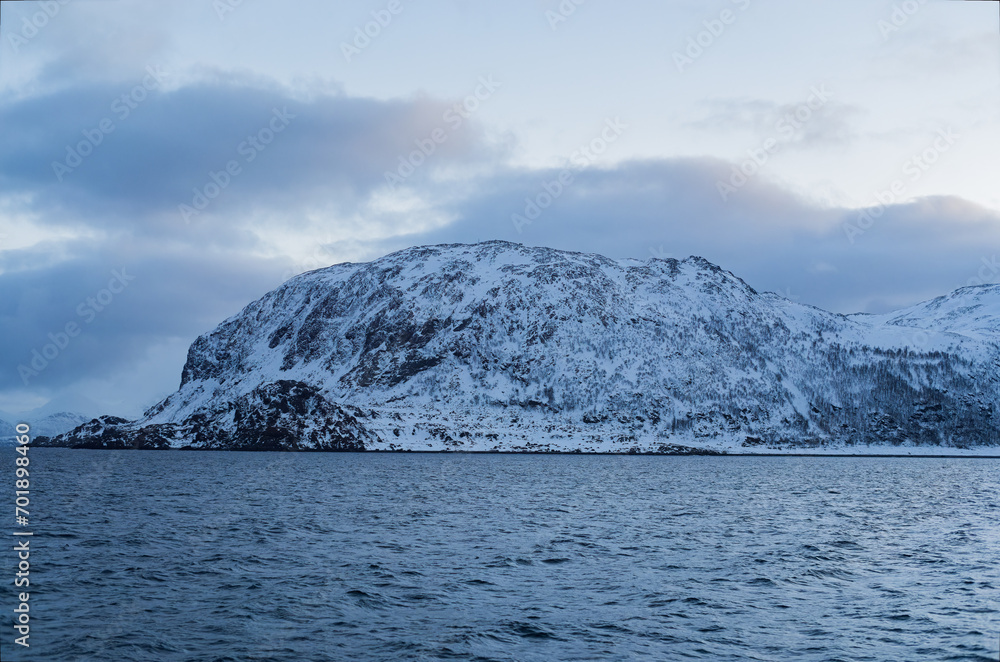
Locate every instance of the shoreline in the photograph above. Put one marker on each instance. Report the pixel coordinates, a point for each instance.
(707, 453)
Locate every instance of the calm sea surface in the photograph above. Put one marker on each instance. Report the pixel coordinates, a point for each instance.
(298, 557)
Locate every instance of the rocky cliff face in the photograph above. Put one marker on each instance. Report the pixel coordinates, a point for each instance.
(497, 346)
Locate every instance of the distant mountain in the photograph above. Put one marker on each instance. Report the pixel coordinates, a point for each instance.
(57, 423)
(45, 426)
(971, 311)
(7, 432)
(497, 346)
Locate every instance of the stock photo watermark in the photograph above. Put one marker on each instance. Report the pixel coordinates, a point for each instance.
(122, 107)
(224, 8)
(988, 274)
(913, 170)
(249, 149)
(554, 188)
(562, 13)
(320, 257)
(31, 27)
(22, 500)
(899, 16)
(660, 252)
(87, 311)
(365, 35)
(714, 28)
(454, 117)
(785, 130)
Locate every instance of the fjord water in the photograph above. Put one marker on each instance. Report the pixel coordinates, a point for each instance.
(243, 556)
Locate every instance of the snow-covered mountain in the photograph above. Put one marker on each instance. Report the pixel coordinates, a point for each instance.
(971, 311)
(497, 346)
(56, 423)
(47, 425)
(7, 432)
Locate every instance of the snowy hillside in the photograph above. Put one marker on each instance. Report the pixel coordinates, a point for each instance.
(970, 311)
(48, 425)
(497, 346)
(7, 432)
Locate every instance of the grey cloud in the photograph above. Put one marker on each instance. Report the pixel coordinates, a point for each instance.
(828, 121)
(85, 40)
(773, 239)
(327, 149)
(122, 298)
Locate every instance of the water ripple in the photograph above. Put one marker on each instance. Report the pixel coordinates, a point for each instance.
(242, 556)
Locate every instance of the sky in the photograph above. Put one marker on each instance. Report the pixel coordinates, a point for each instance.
(163, 164)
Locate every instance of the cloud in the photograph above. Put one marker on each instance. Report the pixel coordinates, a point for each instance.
(68, 41)
(113, 155)
(102, 310)
(816, 121)
(772, 238)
